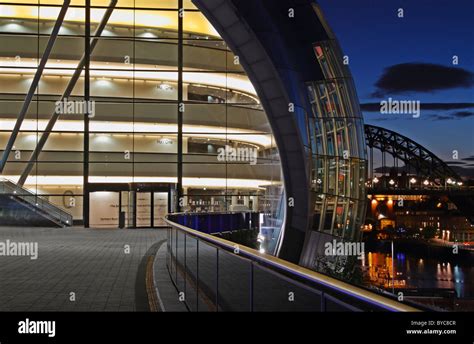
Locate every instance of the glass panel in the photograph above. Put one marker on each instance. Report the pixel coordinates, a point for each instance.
(334, 305)
(274, 293)
(104, 212)
(169, 248)
(172, 266)
(191, 272)
(143, 209)
(160, 203)
(207, 277)
(234, 283)
(180, 261)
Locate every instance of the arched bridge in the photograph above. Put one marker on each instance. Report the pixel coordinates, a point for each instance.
(433, 175)
(414, 155)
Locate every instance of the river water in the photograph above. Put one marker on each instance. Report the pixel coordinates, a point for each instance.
(414, 271)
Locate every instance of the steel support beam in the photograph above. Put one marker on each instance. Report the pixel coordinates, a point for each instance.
(34, 83)
(67, 92)
(181, 107)
(87, 97)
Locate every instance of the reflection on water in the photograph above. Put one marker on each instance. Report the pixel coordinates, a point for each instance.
(420, 273)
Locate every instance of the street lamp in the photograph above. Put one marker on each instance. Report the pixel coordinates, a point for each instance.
(411, 181)
(375, 180)
(426, 182)
(391, 182)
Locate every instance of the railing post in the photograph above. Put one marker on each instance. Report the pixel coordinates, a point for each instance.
(185, 266)
(176, 258)
(197, 274)
(323, 302)
(251, 286)
(217, 279)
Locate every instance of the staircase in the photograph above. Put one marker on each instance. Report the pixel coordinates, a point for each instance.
(19, 206)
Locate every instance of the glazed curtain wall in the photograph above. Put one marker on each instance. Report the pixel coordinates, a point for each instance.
(339, 159)
(150, 67)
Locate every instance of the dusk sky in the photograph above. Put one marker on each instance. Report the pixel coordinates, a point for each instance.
(411, 58)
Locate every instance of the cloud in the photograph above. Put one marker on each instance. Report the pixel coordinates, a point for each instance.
(451, 116)
(463, 114)
(421, 77)
(463, 171)
(440, 118)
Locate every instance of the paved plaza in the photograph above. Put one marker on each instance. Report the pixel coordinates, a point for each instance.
(77, 269)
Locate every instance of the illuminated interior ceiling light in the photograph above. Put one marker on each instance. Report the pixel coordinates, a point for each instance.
(165, 87)
(165, 141)
(426, 182)
(217, 133)
(104, 82)
(120, 17)
(148, 35)
(413, 180)
(375, 180)
(120, 71)
(391, 182)
(195, 182)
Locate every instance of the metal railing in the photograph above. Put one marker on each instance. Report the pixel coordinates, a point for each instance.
(217, 222)
(213, 274)
(36, 202)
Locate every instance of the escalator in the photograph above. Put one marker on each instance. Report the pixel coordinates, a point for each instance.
(21, 207)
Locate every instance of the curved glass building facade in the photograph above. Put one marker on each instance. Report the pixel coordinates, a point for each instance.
(164, 116)
(170, 107)
(339, 159)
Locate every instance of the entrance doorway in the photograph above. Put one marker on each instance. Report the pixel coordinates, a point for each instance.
(151, 208)
(134, 205)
